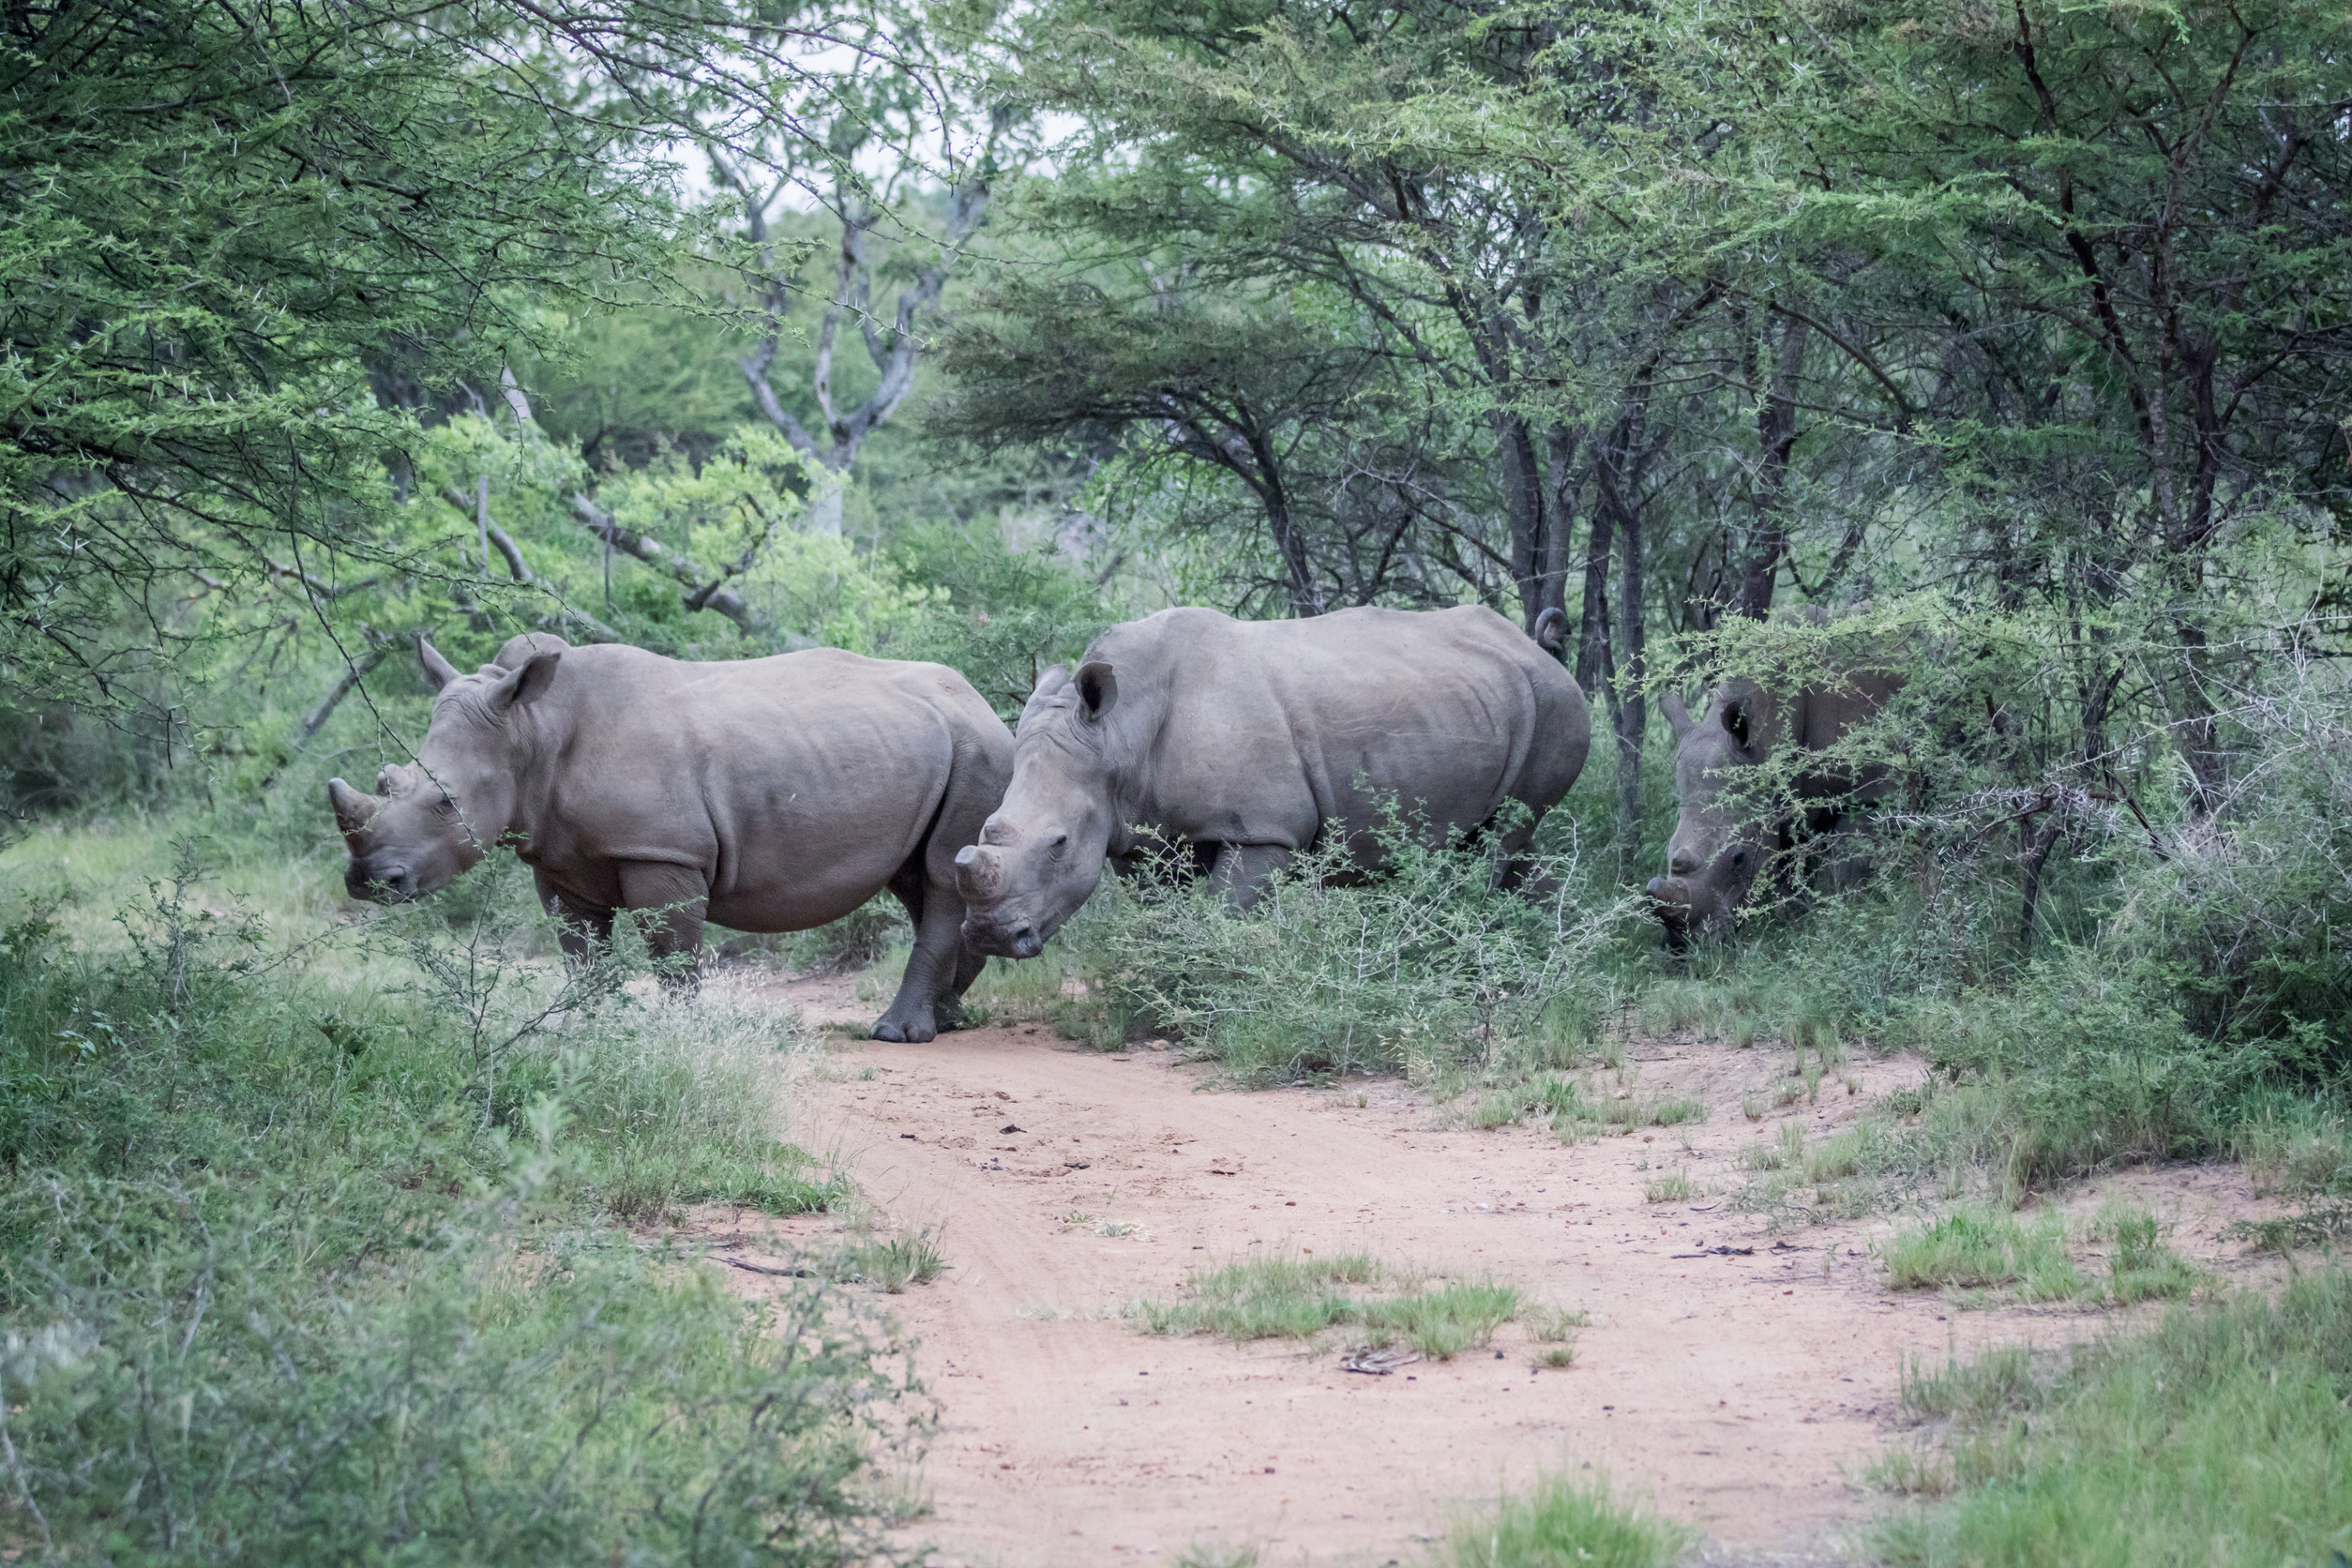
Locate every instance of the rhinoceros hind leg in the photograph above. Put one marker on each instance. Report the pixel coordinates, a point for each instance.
(1241, 872)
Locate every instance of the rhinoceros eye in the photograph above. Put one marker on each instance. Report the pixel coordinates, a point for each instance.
(446, 807)
(1061, 842)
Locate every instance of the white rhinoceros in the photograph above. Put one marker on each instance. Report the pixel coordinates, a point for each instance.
(1252, 739)
(767, 794)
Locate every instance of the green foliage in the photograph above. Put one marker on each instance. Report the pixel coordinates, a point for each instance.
(2217, 1438)
(186, 1388)
(1424, 968)
(1009, 611)
(259, 241)
(284, 1275)
(1562, 1522)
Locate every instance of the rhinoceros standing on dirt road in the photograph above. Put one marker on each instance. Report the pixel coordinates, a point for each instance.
(1251, 739)
(1717, 849)
(767, 794)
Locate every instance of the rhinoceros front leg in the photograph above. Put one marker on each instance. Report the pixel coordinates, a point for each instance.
(935, 974)
(672, 899)
(1239, 872)
(582, 930)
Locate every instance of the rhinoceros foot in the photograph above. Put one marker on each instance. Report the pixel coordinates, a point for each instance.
(910, 1029)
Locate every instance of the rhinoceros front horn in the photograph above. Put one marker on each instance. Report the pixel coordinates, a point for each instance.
(352, 809)
(979, 875)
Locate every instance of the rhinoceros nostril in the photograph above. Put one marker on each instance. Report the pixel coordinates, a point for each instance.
(1657, 885)
(1027, 943)
(1683, 863)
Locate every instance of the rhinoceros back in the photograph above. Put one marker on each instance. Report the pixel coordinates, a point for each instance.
(1276, 732)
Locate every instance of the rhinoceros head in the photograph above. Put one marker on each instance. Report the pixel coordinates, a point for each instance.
(1041, 853)
(431, 820)
(1715, 853)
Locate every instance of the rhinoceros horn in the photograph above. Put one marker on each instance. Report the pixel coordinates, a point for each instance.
(353, 807)
(979, 874)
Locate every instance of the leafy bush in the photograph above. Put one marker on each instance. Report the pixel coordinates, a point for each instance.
(2236, 922)
(187, 1384)
(1428, 966)
(1009, 613)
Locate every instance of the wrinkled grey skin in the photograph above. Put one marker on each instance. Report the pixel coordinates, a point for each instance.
(767, 794)
(1715, 856)
(1248, 740)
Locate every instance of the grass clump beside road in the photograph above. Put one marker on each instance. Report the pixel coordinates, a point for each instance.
(1979, 1250)
(1562, 1523)
(2218, 1437)
(1984, 1250)
(1299, 1298)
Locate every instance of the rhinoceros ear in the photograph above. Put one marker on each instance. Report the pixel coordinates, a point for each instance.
(1097, 690)
(1735, 721)
(524, 685)
(351, 808)
(438, 670)
(1678, 718)
(520, 647)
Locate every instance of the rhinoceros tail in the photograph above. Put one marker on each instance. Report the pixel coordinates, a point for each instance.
(1551, 629)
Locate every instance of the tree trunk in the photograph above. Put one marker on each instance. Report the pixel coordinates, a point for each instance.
(1632, 710)
(1559, 458)
(824, 505)
(1523, 499)
(1777, 438)
(1592, 627)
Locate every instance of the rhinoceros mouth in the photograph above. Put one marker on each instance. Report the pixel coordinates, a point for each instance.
(383, 887)
(1687, 911)
(999, 940)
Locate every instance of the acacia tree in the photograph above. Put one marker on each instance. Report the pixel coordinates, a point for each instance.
(2035, 305)
(897, 128)
(2147, 316)
(249, 247)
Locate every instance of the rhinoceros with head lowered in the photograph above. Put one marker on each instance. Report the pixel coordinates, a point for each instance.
(767, 794)
(1250, 740)
(1720, 844)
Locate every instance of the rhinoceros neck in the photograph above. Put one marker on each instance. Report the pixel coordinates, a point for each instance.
(536, 737)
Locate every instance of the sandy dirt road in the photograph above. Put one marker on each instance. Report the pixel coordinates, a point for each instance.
(1743, 1392)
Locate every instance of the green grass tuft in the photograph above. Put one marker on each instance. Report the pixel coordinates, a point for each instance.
(1559, 1523)
(1975, 1250)
(892, 1264)
(1675, 1186)
(1298, 1298)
